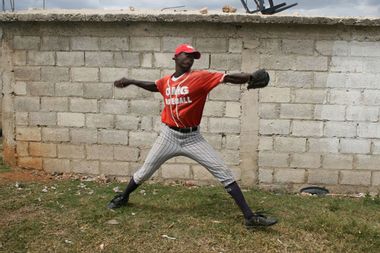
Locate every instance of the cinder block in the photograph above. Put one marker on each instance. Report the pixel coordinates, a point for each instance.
(362, 113)
(126, 59)
(201, 173)
(70, 151)
(273, 159)
(55, 74)
(363, 80)
(113, 137)
(142, 139)
(289, 176)
(376, 147)
(70, 59)
(266, 175)
(19, 58)
(163, 60)
(310, 96)
(307, 128)
(85, 167)
(112, 106)
(98, 90)
(88, 136)
(269, 111)
(69, 89)
(181, 171)
(112, 74)
(145, 74)
(347, 64)
(226, 61)
(43, 118)
(169, 44)
(303, 47)
(233, 109)
(323, 145)
(84, 43)
(30, 162)
(289, 144)
(83, 105)
(355, 146)
(147, 60)
(41, 58)
(123, 153)
(355, 177)
(337, 161)
(99, 152)
(40, 89)
(306, 160)
(146, 123)
(101, 59)
(42, 149)
(22, 118)
(376, 178)
(27, 104)
(20, 88)
(230, 157)
(232, 142)
(127, 122)
(55, 134)
(145, 107)
(235, 45)
(265, 143)
(145, 43)
(55, 43)
(268, 127)
(297, 79)
(345, 97)
(275, 95)
(330, 80)
(79, 74)
(114, 168)
(99, 120)
(226, 93)
(296, 111)
(54, 104)
(211, 45)
(251, 43)
(314, 63)
(327, 177)
(276, 62)
(70, 119)
(340, 129)
(368, 162)
(363, 48)
(114, 43)
(28, 134)
(214, 108)
(27, 73)
(26, 42)
(56, 165)
(330, 112)
(334, 48)
(224, 125)
(371, 97)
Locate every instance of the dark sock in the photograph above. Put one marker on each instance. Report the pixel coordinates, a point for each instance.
(234, 190)
(130, 188)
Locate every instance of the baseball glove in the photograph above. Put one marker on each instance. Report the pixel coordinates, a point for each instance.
(258, 79)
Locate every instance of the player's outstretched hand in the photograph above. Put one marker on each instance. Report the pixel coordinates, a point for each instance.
(259, 79)
(123, 82)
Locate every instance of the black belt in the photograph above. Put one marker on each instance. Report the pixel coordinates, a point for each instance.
(184, 130)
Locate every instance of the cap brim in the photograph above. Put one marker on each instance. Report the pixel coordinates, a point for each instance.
(196, 54)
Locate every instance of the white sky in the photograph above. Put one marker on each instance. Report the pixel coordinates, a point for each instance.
(306, 7)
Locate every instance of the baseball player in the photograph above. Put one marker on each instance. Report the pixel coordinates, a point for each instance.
(184, 94)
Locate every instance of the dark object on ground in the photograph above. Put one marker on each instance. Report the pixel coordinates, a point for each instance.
(117, 202)
(267, 11)
(259, 219)
(314, 190)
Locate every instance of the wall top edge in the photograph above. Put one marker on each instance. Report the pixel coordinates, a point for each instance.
(179, 17)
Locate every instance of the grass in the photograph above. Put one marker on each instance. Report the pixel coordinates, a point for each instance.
(71, 217)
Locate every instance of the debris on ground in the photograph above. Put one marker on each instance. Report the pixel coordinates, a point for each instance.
(68, 242)
(229, 9)
(203, 10)
(45, 189)
(168, 237)
(113, 222)
(143, 192)
(101, 246)
(117, 189)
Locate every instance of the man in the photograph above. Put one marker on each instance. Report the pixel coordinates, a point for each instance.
(185, 94)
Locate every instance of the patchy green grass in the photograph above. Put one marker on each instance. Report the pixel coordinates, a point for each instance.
(3, 167)
(71, 217)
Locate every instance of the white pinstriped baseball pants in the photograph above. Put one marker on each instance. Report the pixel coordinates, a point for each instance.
(172, 143)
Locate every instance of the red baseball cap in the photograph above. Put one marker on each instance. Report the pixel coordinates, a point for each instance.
(185, 48)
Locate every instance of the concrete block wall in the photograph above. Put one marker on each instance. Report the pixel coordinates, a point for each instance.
(317, 122)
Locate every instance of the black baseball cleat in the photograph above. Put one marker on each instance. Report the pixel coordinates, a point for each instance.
(259, 220)
(117, 202)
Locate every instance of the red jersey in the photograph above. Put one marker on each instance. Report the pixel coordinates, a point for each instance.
(185, 97)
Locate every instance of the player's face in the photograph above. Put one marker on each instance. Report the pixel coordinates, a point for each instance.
(184, 60)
